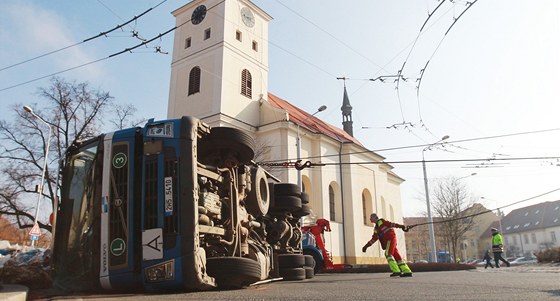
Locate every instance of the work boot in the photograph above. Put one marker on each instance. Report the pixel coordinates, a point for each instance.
(395, 274)
(406, 275)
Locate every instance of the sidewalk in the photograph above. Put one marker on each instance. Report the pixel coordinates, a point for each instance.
(526, 268)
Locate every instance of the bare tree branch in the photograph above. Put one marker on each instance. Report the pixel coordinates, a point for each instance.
(74, 112)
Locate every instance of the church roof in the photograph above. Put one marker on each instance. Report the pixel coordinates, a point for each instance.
(312, 123)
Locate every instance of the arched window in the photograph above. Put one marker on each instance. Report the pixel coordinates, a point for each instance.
(194, 81)
(332, 205)
(366, 206)
(246, 83)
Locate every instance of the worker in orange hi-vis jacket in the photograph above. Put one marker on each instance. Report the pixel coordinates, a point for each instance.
(384, 232)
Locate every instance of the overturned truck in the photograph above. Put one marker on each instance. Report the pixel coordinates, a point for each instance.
(175, 204)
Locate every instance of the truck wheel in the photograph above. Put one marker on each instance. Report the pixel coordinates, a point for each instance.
(309, 261)
(291, 261)
(286, 189)
(309, 273)
(223, 142)
(292, 273)
(287, 203)
(318, 261)
(304, 197)
(233, 272)
(304, 211)
(258, 200)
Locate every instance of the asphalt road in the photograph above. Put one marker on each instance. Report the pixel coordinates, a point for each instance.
(515, 283)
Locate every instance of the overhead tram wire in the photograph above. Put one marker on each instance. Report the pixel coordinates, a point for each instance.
(424, 145)
(423, 70)
(399, 73)
(329, 34)
(485, 211)
(102, 59)
(84, 41)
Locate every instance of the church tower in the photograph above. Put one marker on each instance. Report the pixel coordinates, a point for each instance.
(347, 114)
(219, 68)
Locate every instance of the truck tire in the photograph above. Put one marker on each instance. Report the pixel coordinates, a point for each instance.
(291, 274)
(304, 197)
(222, 141)
(303, 211)
(309, 261)
(291, 261)
(318, 261)
(258, 200)
(309, 273)
(287, 203)
(233, 272)
(286, 189)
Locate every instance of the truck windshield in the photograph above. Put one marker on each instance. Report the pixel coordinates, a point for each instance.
(76, 216)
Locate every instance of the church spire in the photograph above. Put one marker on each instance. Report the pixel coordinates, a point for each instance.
(346, 112)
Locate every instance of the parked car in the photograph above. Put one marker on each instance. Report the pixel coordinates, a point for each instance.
(523, 260)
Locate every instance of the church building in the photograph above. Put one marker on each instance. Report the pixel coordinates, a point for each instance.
(219, 73)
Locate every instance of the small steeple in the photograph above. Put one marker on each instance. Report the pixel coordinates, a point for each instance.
(346, 113)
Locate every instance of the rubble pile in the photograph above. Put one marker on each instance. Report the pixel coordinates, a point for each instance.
(25, 265)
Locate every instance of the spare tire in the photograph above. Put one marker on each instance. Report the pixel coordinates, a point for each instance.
(258, 200)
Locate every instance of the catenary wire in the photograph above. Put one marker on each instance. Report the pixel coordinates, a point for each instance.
(84, 41)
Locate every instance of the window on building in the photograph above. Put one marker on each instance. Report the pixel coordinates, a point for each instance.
(553, 236)
(515, 240)
(238, 35)
(526, 238)
(366, 206)
(187, 42)
(207, 33)
(194, 81)
(332, 208)
(534, 238)
(364, 211)
(255, 46)
(246, 83)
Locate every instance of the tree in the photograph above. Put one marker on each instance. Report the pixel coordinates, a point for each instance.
(74, 112)
(453, 203)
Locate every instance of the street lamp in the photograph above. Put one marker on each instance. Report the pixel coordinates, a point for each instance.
(498, 212)
(473, 174)
(41, 185)
(433, 256)
(298, 143)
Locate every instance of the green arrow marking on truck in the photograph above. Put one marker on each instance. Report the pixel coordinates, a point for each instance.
(118, 247)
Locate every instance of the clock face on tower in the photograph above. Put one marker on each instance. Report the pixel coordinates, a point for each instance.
(198, 14)
(247, 17)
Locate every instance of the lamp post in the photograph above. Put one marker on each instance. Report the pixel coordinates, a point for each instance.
(498, 212)
(298, 143)
(473, 174)
(433, 255)
(41, 185)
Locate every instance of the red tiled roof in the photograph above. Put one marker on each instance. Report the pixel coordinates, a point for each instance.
(312, 123)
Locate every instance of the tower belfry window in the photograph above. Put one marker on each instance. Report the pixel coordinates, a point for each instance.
(246, 83)
(194, 81)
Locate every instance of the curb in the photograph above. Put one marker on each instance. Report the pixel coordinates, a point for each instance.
(13, 292)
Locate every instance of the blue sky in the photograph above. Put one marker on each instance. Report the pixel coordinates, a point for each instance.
(493, 74)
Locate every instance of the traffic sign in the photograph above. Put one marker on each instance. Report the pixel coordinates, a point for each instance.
(35, 231)
(34, 237)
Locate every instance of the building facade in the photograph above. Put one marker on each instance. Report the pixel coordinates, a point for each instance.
(219, 73)
(531, 229)
(471, 246)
